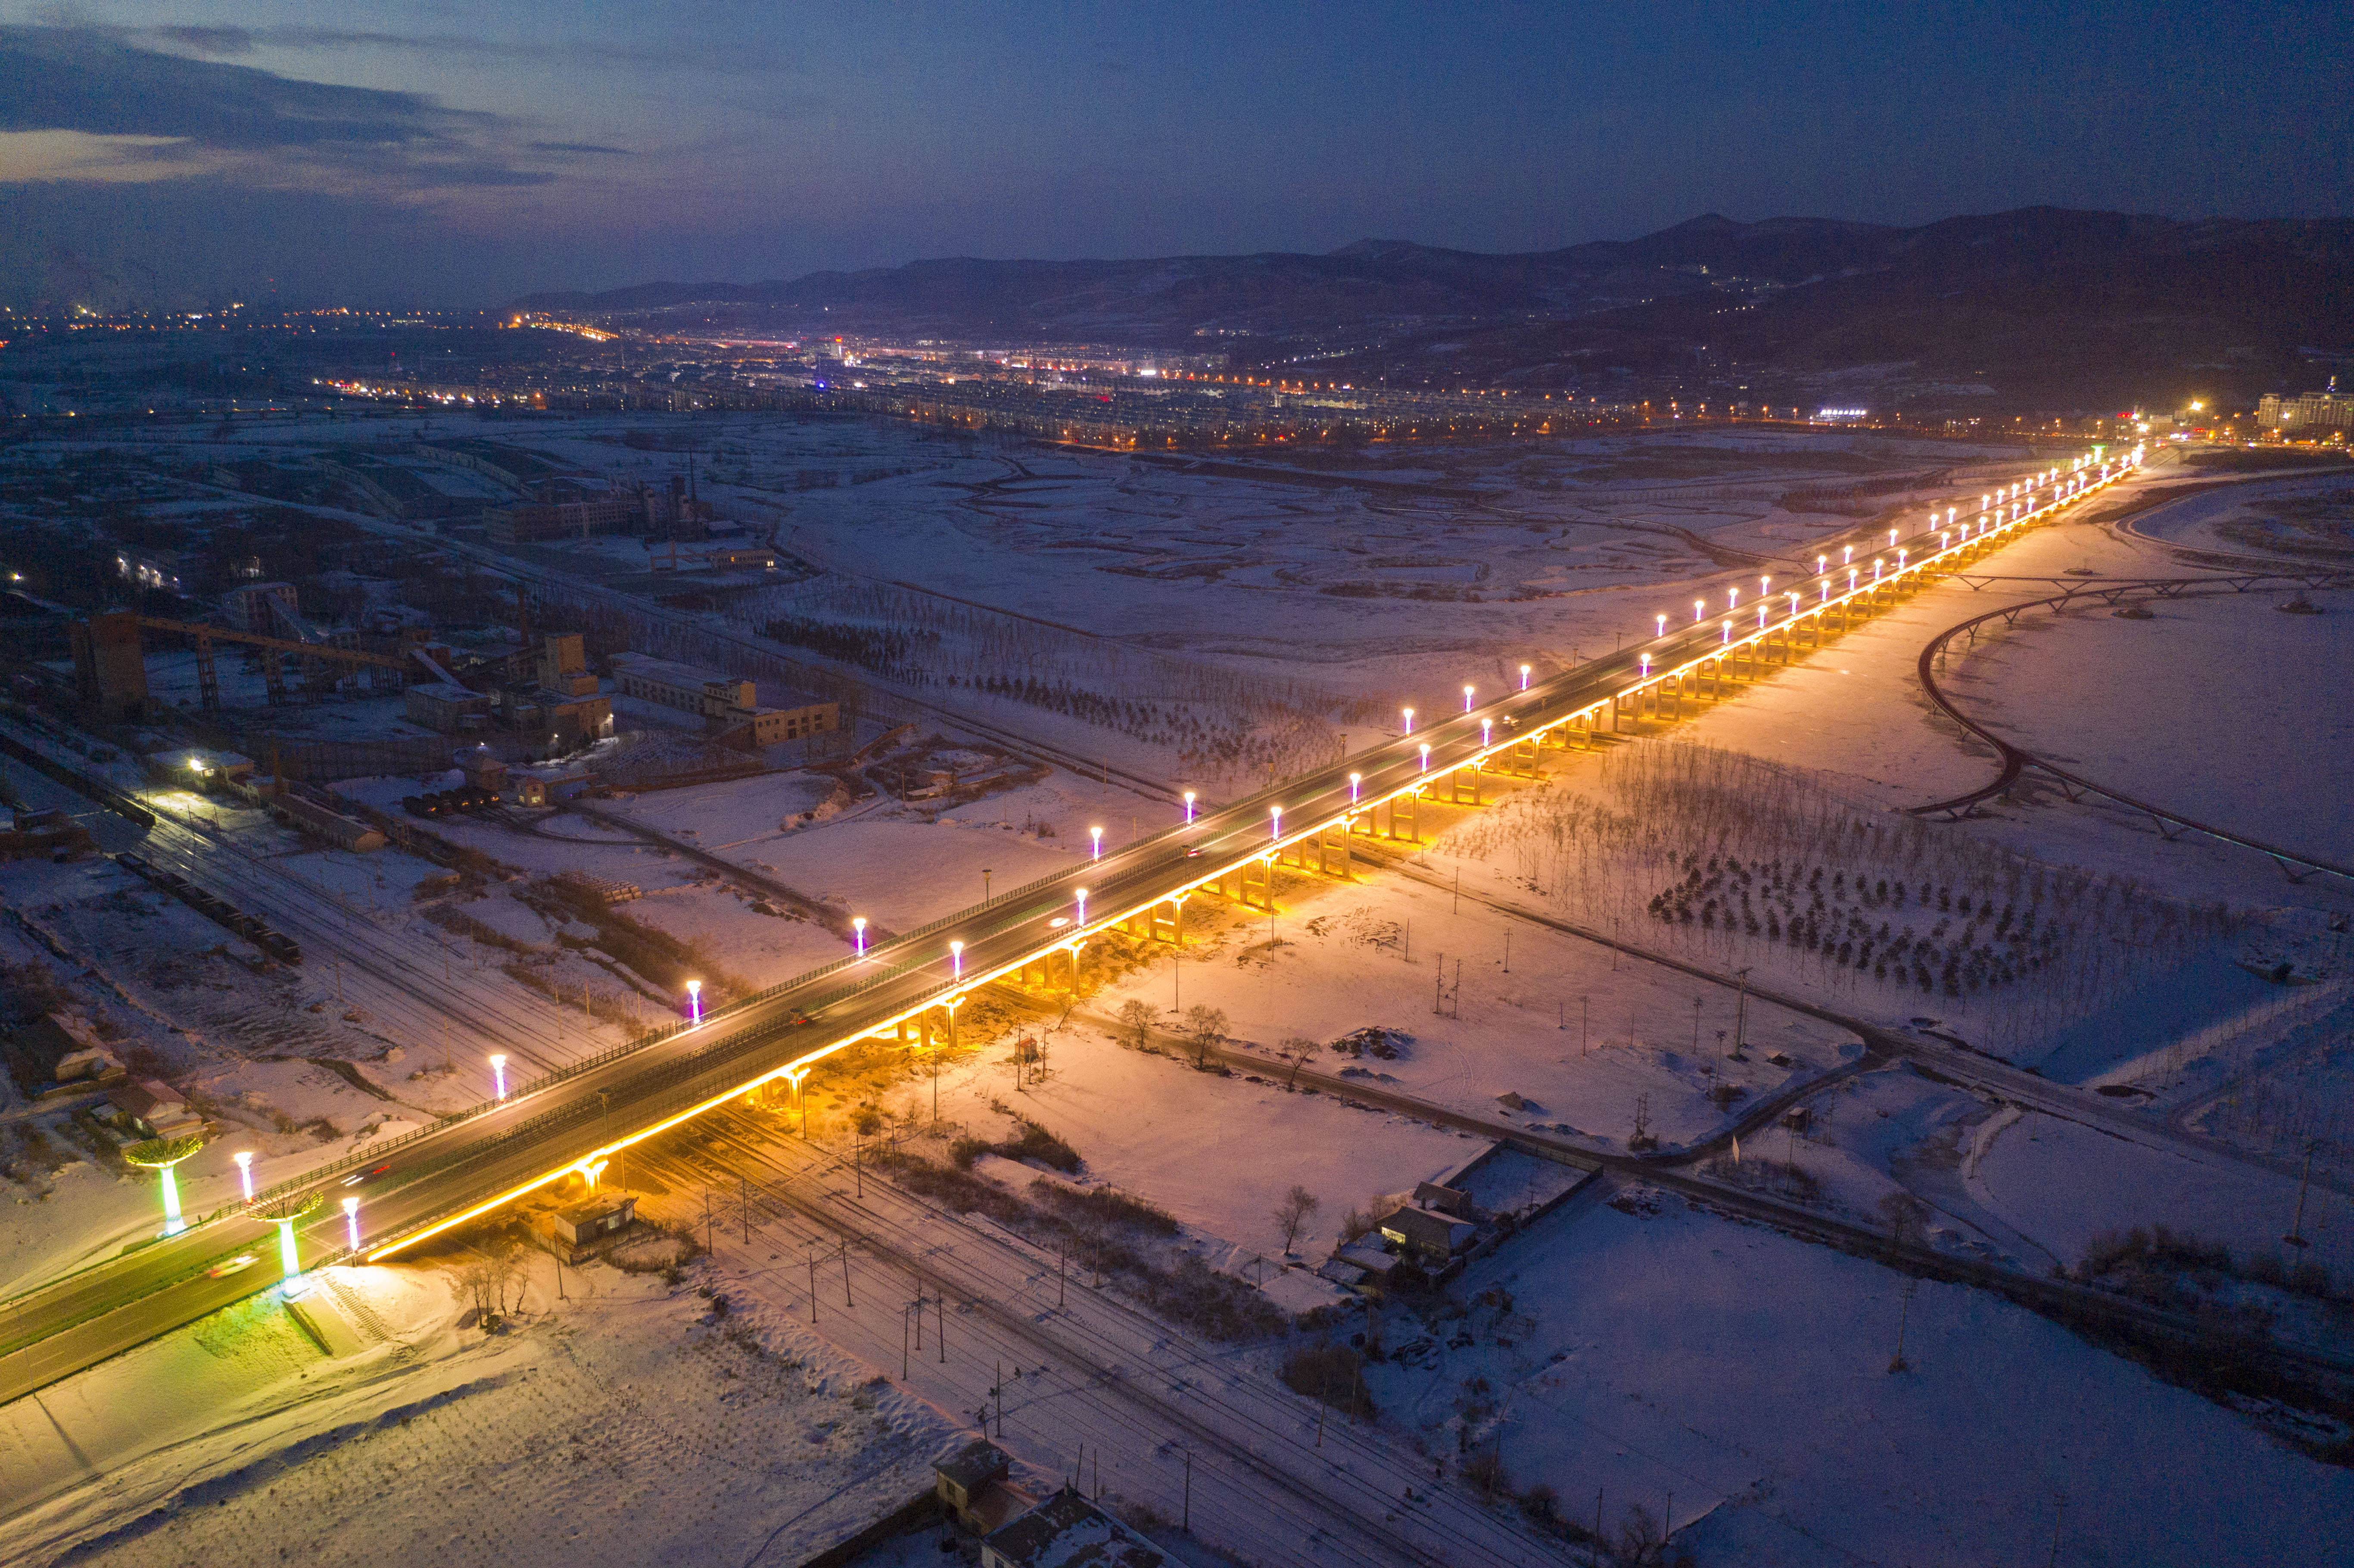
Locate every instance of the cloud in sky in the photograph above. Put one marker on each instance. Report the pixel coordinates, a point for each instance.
(81, 97)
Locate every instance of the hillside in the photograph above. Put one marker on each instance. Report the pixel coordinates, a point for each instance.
(2040, 302)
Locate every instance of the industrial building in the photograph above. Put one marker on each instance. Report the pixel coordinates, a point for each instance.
(725, 702)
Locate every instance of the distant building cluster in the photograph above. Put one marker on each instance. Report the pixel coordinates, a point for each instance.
(2330, 410)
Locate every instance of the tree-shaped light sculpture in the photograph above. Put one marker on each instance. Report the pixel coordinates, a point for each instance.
(286, 1213)
(159, 1155)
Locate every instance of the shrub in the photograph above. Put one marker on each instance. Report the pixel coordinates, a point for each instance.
(1334, 1375)
(1105, 1205)
(1485, 1472)
(1035, 1142)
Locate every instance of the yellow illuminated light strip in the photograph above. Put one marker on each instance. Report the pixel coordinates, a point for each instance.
(1276, 846)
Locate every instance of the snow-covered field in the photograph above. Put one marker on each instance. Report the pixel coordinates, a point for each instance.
(618, 1425)
(1664, 1351)
(2244, 732)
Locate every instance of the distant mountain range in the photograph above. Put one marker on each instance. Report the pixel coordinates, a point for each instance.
(2039, 303)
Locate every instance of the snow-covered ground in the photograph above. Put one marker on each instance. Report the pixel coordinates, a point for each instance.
(2299, 522)
(1583, 1036)
(1663, 1351)
(620, 1423)
(2241, 734)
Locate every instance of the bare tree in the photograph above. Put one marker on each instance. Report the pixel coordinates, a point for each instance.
(1296, 1050)
(475, 1276)
(1136, 1019)
(507, 1276)
(1205, 1027)
(1291, 1215)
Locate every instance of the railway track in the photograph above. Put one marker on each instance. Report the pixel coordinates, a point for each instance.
(1181, 1393)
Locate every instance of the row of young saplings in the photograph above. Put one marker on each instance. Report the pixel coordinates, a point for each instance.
(1724, 894)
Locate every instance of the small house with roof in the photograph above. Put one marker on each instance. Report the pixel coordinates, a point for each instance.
(1066, 1530)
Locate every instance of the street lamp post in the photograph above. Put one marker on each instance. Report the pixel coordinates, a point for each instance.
(694, 1000)
(1189, 808)
(244, 1157)
(498, 1077)
(956, 960)
(352, 1224)
(858, 934)
(1095, 844)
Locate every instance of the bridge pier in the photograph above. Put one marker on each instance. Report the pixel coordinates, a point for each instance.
(1327, 854)
(1394, 818)
(1163, 922)
(1250, 884)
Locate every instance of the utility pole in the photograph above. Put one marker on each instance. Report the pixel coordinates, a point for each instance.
(997, 1390)
(1740, 1012)
(812, 1268)
(744, 1200)
(1187, 1526)
(2296, 1236)
(845, 1274)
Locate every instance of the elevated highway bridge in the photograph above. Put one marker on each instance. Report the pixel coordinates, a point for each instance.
(570, 1123)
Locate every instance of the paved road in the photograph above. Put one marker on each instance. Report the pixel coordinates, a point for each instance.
(465, 1166)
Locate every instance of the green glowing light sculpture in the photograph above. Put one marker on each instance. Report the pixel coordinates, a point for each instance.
(160, 1154)
(285, 1213)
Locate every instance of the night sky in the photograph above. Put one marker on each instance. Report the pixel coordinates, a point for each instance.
(462, 153)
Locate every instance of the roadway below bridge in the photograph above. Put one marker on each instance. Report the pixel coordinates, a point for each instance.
(410, 1188)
